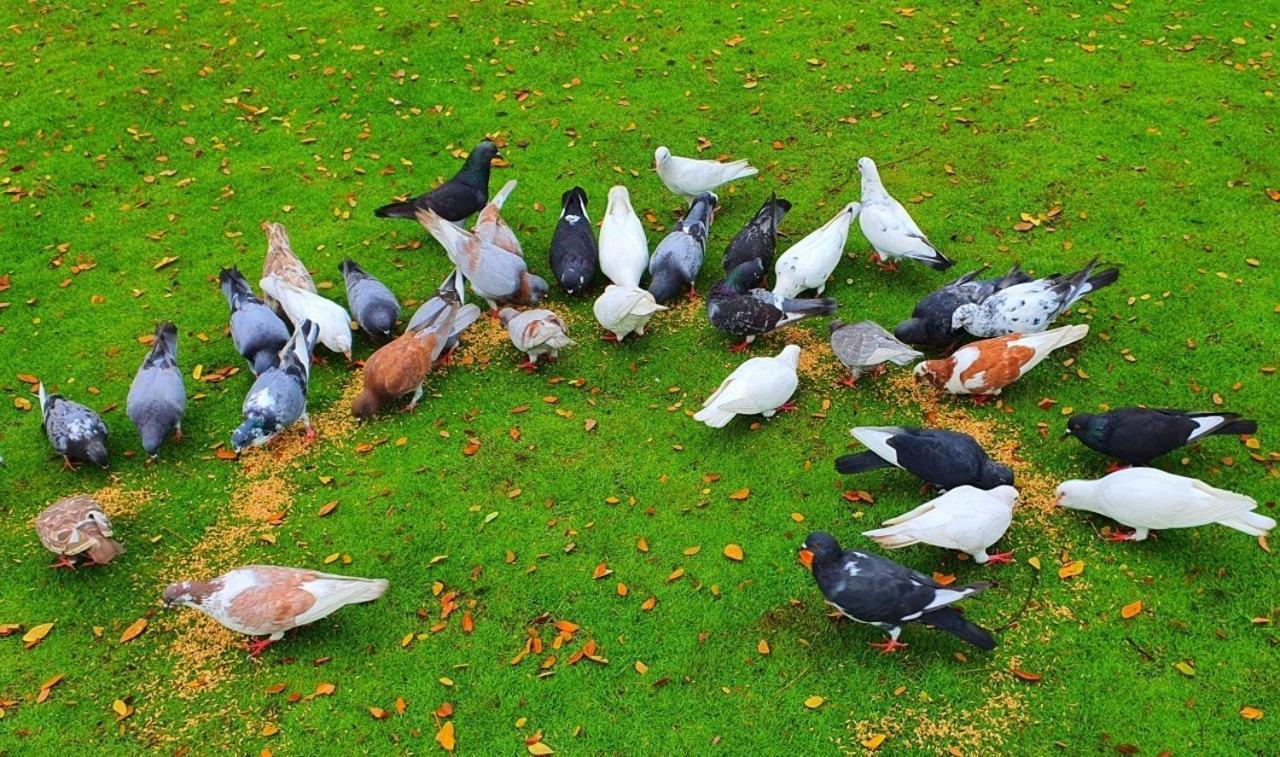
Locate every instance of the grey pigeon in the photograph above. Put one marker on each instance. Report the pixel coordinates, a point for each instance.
(256, 330)
(157, 398)
(495, 274)
(464, 194)
(76, 432)
(451, 292)
(879, 592)
(374, 306)
(278, 399)
(867, 344)
(930, 321)
(1031, 307)
(678, 257)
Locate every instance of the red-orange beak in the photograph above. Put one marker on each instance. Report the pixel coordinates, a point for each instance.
(1058, 502)
(806, 558)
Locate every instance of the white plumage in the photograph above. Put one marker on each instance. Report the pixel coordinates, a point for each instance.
(965, 518)
(624, 310)
(889, 227)
(624, 251)
(810, 262)
(1004, 355)
(1148, 499)
(690, 177)
(300, 305)
(759, 386)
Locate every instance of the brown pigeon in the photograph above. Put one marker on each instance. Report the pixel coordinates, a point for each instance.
(77, 526)
(268, 600)
(984, 368)
(400, 366)
(283, 264)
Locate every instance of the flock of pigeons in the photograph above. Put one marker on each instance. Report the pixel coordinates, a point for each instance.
(1011, 315)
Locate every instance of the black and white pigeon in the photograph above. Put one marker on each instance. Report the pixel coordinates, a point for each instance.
(879, 592)
(758, 240)
(450, 293)
(574, 255)
(1138, 435)
(256, 330)
(157, 398)
(76, 432)
(736, 309)
(456, 199)
(946, 459)
(278, 398)
(375, 308)
(930, 321)
(678, 257)
(1031, 307)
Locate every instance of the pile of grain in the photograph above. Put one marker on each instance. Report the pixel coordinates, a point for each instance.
(482, 343)
(121, 503)
(818, 364)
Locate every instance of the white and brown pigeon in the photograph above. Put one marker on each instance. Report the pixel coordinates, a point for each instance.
(76, 527)
(535, 332)
(330, 318)
(966, 518)
(266, 600)
(985, 368)
(491, 227)
(494, 274)
(283, 264)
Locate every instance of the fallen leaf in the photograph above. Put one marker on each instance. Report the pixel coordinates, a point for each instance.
(873, 743)
(1251, 713)
(445, 738)
(121, 709)
(1073, 568)
(763, 647)
(1028, 677)
(741, 494)
(378, 713)
(539, 748)
(1131, 609)
(327, 508)
(133, 631)
(1185, 668)
(733, 552)
(37, 633)
(814, 702)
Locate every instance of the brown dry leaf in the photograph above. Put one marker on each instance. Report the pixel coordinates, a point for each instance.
(36, 634)
(873, 743)
(327, 508)
(601, 571)
(763, 647)
(324, 689)
(741, 494)
(164, 262)
(122, 709)
(445, 737)
(1131, 609)
(133, 631)
(733, 552)
(378, 713)
(1028, 677)
(472, 447)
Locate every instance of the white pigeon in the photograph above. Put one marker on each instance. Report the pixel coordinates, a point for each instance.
(809, 262)
(761, 385)
(1148, 499)
(689, 177)
(889, 228)
(301, 305)
(965, 518)
(624, 251)
(490, 226)
(624, 310)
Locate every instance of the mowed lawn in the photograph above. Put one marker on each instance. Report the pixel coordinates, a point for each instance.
(142, 146)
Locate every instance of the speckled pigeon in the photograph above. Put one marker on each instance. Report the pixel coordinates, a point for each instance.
(748, 313)
(930, 321)
(76, 432)
(278, 398)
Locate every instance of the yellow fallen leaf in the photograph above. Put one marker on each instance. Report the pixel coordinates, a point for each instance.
(1185, 668)
(873, 743)
(36, 633)
(1034, 562)
(121, 709)
(378, 713)
(1073, 568)
(641, 668)
(1251, 713)
(814, 702)
(763, 647)
(741, 494)
(445, 737)
(538, 748)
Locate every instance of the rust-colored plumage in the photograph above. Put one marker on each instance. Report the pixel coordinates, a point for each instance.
(401, 365)
(77, 526)
(988, 366)
(281, 262)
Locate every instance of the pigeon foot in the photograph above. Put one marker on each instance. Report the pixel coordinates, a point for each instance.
(888, 647)
(787, 407)
(1113, 466)
(1119, 536)
(609, 336)
(982, 399)
(446, 358)
(310, 435)
(63, 562)
(848, 381)
(258, 646)
(67, 464)
(742, 346)
(1004, 558)
(528, 366)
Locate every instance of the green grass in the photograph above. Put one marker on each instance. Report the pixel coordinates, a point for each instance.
(122, 144)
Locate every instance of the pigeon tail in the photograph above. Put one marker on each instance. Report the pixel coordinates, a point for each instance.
(938, 262)
(1237, 427)
(859, 462)
(950, 619)
(1097, 281)
(501, 197)
(1254, 524)
(808, 308)
(396, 210)
(714, 417)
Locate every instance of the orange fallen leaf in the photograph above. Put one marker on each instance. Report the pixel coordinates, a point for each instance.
(741, 494)
(733, 552)
(1073, 568)
(1131, 609)
(873, 743)
(133, 631)
(601, 571)
(378, 713)
(445, 737)
(763, 647)
(324, 689)
(1028, 677)
(1251, 713)
(944, 579)
(327, 508)
(540, 749)
(445, 710)
(36, 634)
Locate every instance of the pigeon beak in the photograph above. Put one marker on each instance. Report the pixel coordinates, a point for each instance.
(1057, 502)
(1065, 433)
(806, 558)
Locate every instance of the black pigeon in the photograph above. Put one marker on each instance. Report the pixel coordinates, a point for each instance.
(736, 309)
(758, 239)
(256, 330)
(574, 255)
(1138, 435)
(930, 321)
(466, 193)
(946, 459)
(157, 399)
(678, 257)
(873, 590)
(76, 432)
(374, 306)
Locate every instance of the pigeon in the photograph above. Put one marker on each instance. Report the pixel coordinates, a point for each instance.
(278, 398)
(1148, 499)
(573, 246)
(760, 386)
(283, 264)
(624, 310)
(1030, 307)
(624, 251)
(945, 459)
(678, 257)
(1138, 435)
(256, 330)
(535, 332)
(809, 263)
(890, 229)
(74, 527)
(867, 344)
(330, 318)
(873, 590)
(450, 292)
(930, 321)
(689, 177)
(495, 275)
(266, 600)
(400, 366)
(965, 518)
(376, 309)
(985, 368)
(464, 194)
(740, 312)
(491, 227)
(76, 432)
(758, 239)
(157, 398)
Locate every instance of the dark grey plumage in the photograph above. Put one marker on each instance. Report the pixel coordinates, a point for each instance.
(758, 240)
(1138, 435)
(678, 257)
(76, 432)
(946, 459)
(278, 398)
(466, 193)
(374, 306)
(574, 255)
(256, 330)
(157, 399)
(735, 309)
(930, 321)
(451, 292)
